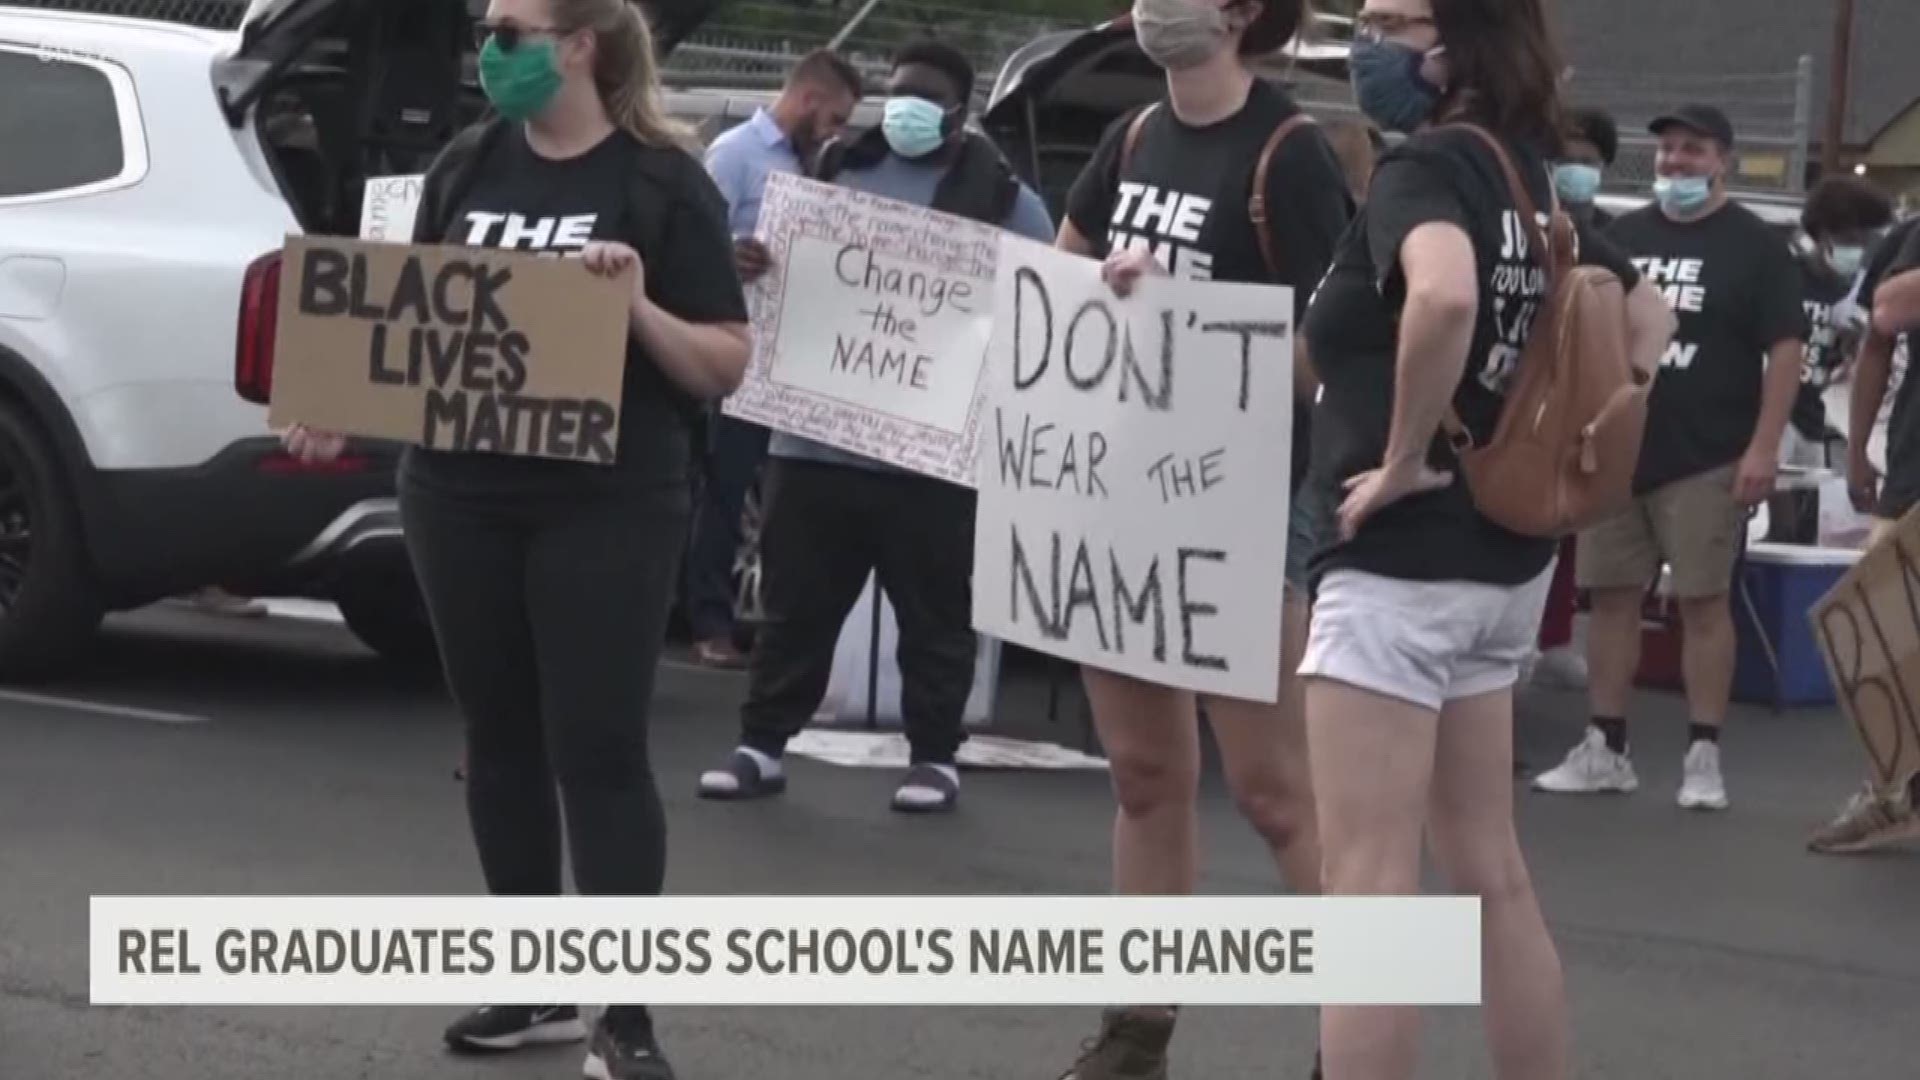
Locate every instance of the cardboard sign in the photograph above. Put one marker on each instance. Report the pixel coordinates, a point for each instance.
(1868, 629)
(388, 208)
(871, 326)
(451, 348)
(1134, 489)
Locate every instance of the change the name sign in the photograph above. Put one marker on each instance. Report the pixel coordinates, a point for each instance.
(871, 326)
(1133, 489)
(451, 348)
(1868, 629)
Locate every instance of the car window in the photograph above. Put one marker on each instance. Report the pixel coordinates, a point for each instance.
(60, 124)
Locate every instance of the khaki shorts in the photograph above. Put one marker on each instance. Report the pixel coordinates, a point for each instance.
(1694, 526)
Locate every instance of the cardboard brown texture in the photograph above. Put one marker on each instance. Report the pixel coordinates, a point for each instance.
(451, 348)
(1868, 629)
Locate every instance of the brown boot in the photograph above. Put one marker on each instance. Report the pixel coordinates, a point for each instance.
(1132, 1045)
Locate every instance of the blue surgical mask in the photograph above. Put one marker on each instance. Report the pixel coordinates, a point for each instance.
(1577, 183)
(1683, 194)
(1846, 259)
(1389, 86)
(914, 126)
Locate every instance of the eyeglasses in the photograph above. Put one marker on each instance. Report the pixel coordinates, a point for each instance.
(508, 35)
(1379, 25)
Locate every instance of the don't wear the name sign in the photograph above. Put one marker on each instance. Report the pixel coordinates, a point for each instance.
(451, 348)
(870, 326)
(1134, 481)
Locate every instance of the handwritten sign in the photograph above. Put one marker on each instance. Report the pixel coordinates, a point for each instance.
(388, 209)
(451, 348)
(1133, 492)
(871, 326)
(1868, 629)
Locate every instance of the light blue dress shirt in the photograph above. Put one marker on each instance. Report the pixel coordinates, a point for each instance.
(740, 161)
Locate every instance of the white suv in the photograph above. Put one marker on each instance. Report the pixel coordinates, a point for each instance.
(149, 171)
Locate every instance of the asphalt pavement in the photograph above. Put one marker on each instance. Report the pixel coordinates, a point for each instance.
(201, 755)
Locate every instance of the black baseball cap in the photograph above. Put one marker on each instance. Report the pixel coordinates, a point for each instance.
(1704, 119)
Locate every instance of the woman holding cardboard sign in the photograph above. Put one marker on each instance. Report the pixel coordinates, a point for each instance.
(1224, 179)
(549, 581)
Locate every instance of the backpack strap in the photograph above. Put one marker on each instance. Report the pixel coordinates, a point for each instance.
(1558, 258)
(1257, 203)
(1132, 140)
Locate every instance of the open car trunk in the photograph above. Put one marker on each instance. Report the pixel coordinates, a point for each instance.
(342, 90)
(1057, 95)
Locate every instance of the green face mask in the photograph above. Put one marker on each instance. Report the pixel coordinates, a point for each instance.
(520, 82)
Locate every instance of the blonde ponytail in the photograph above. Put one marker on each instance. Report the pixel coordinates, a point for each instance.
(625, 70)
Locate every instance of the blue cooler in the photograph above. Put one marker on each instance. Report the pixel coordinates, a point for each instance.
(1785, 581)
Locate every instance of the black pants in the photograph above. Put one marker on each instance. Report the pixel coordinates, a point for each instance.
(551, 617)
(735, 449)
(827, 527)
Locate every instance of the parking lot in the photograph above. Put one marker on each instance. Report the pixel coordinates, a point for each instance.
(202, 755)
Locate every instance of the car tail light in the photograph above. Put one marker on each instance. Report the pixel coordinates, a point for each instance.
(259, 322)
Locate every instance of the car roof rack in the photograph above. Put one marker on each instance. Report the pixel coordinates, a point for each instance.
(207, 14)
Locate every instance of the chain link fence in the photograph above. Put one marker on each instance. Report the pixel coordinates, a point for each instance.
(1771, 114)
(751, 44)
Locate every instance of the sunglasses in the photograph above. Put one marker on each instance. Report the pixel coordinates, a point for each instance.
(509, 35)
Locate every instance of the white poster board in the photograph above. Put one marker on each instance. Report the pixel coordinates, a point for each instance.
(1134, 473)
(389, 207)
(870, 326)
(846, 700)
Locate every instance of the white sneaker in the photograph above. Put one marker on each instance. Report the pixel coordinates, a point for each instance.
(1590, 769)
(1701, 786)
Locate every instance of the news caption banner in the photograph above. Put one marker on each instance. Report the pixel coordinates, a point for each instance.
(1868, 631)
(870, 326)
(745, 950)
(1133, 495)
(451, 348)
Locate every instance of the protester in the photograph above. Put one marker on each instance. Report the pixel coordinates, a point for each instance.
(815, 104)
(1841, 219)
(1592, 143)
(549, 582)
(1712, 451)
(1170, 190)
(1425, 609)
(832, 518)
(1358, 145)
(1883, 814)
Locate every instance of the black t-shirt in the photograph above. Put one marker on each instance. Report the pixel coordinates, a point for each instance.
(1443, 175)
(1736, 291)
(1820, 291)
(1184, 194)
(1895, 255)
(659, 201)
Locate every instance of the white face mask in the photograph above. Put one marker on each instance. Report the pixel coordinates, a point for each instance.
(1846, 259)
(1179, 34)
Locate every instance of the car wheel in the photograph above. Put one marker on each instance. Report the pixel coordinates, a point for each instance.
(50, 605)
(390, 618)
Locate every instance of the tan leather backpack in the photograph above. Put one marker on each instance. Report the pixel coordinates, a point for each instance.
(1563, 455)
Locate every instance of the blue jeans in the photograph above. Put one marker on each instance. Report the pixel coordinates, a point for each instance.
(735, 449)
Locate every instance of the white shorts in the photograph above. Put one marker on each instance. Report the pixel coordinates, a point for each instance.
(1423, 642)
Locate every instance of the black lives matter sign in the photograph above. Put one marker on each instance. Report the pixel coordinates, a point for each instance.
(450, 348)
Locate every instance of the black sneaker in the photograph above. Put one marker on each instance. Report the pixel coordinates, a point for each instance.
(497, 1028)
(1131, 1046)
(625, 1052)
